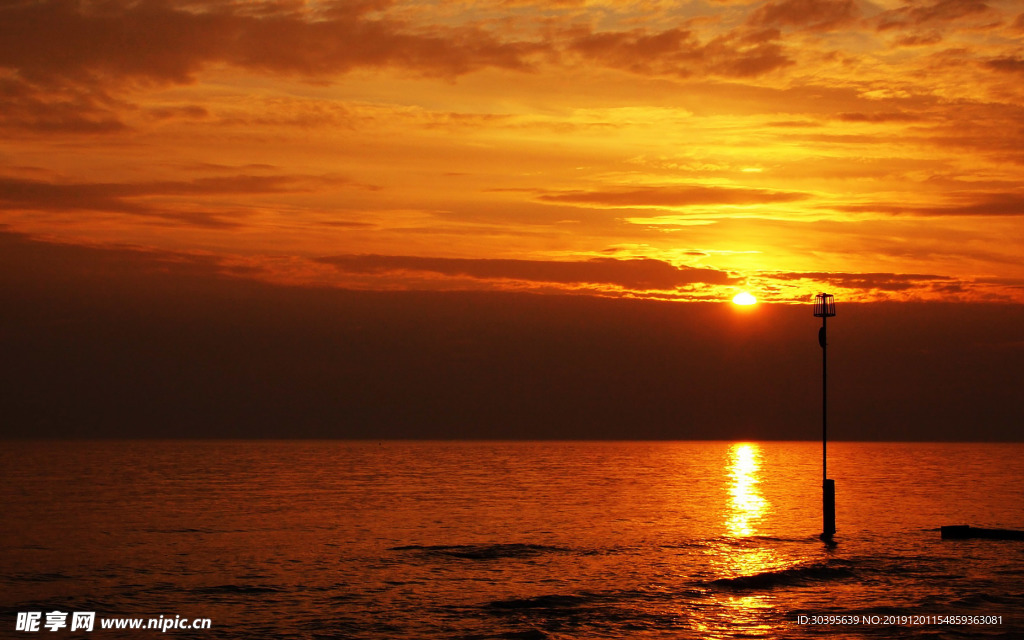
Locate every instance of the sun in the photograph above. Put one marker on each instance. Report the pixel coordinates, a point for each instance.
(744, 299)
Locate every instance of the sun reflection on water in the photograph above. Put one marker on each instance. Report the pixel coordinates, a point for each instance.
(747, 504)
(741, 553)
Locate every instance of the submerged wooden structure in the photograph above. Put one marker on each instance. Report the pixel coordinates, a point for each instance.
(966, 532)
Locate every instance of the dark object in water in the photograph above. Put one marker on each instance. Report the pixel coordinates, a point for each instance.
(965, 531)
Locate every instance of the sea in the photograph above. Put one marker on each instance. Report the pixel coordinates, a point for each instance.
(497, 540)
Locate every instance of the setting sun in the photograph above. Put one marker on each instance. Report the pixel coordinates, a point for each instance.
(743, 298)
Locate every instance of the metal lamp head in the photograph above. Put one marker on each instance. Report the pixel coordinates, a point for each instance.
(824, 305)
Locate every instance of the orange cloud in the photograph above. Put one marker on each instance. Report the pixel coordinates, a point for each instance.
(943, 11)
(1009, 65)
(67, 109)
(972, 204)
(898, 116)
(816, 15)
(637, 274)
(876, 281)
(672, 196)
(678, 52)
(131, 198)
(67, 40)
(920, 39)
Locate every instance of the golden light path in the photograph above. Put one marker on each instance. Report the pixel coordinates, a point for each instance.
(737, 555)
(747, 503)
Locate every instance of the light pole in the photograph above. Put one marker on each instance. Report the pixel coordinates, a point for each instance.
(825, 308)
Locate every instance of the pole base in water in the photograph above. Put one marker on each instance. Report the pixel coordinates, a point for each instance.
(828, 508)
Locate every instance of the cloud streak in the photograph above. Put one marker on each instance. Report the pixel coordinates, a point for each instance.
(874, 281)
(137, 198)
(942, 11)
(72, 43)
(67, 40)
(972, 204)
(678, 52)
(815, 15)
(636, 274)
(671, 196)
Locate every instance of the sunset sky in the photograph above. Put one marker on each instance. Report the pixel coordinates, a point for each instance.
(218, 158)
(672, 150)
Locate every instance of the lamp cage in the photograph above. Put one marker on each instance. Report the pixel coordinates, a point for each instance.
(824, 305)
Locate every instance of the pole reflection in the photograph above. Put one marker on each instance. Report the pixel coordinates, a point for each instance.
(747, 505)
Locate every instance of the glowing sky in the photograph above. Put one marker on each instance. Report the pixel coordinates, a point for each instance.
(675, 150)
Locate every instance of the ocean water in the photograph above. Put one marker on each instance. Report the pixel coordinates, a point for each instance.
(532, 540)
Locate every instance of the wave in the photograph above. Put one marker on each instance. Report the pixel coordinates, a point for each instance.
(606, 600)
(543, 602)
(974, 601)
(481, 551)
(763, 538)
(39, 577)
(181, 530)
(800, 574)
(744, 542)
(632, 612)
(236, 588)
(527, 634)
